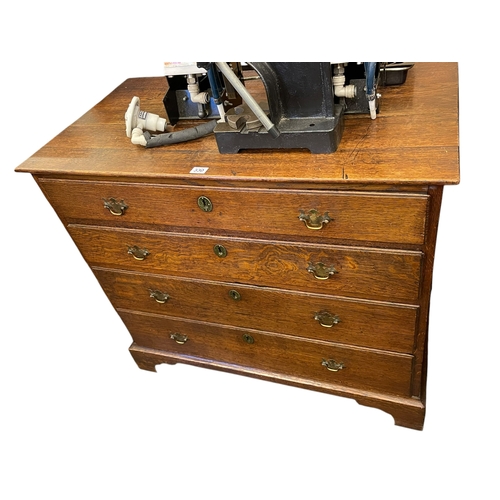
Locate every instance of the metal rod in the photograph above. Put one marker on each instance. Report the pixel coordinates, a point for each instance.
(245, 95)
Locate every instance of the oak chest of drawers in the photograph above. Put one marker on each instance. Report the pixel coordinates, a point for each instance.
(309, 270)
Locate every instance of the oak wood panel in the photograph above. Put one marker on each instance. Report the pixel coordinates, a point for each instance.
(421, 337)
(375, 217)
(362, 323)
(366, 369)
(360, 272)
(413, 140)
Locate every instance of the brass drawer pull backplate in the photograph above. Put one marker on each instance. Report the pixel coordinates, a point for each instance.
(326, 319)
(138, 253)
(179, 338)
(160, 297)
(321, 271)
(332, 365)
(314, 220)
(114, 206)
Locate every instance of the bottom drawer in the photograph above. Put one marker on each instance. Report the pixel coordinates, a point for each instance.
(322, 362)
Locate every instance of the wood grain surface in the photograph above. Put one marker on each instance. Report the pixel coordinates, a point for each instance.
(282, 355)
(366, 217)
(379, 274)
(414, 140)
(364, 323)
(238, 279)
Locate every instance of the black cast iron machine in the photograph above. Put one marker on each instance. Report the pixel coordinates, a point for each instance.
(304, 107)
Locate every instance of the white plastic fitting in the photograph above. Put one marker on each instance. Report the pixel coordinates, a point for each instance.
(194, 91)
(222, 113)
(373, 109)
(342, 90)
(135, 118)
(138, 137)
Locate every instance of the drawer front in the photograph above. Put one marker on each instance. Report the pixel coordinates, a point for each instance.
(373, 217)
(362, 323)
(361, 273)
(361, 368)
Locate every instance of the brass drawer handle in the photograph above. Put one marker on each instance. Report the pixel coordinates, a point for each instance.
(138, 253)
(160, 297)
(314, 220)
(321, 271)
(115, 207)
(179, 338)
(332, 365)
(326, 319)
(234, 295)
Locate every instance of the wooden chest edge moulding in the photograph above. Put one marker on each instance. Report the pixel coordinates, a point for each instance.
(400, 160)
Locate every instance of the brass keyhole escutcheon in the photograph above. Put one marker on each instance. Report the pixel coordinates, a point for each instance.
(220, 251)
(248, 338)
(234, 295)
(205, 204)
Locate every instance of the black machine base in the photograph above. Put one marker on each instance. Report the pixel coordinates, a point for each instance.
(301, 107)
(320, 135)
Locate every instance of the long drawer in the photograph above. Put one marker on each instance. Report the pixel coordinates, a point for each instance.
(355, 322)
(346, 271)
(317, 216)
(322, 362)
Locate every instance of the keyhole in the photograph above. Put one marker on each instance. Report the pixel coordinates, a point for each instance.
(205, 204)
(220, 251)
(248, 338)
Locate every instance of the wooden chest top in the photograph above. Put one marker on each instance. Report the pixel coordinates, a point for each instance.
(414, 140)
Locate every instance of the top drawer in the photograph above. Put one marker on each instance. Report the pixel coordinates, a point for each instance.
(317, 215)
